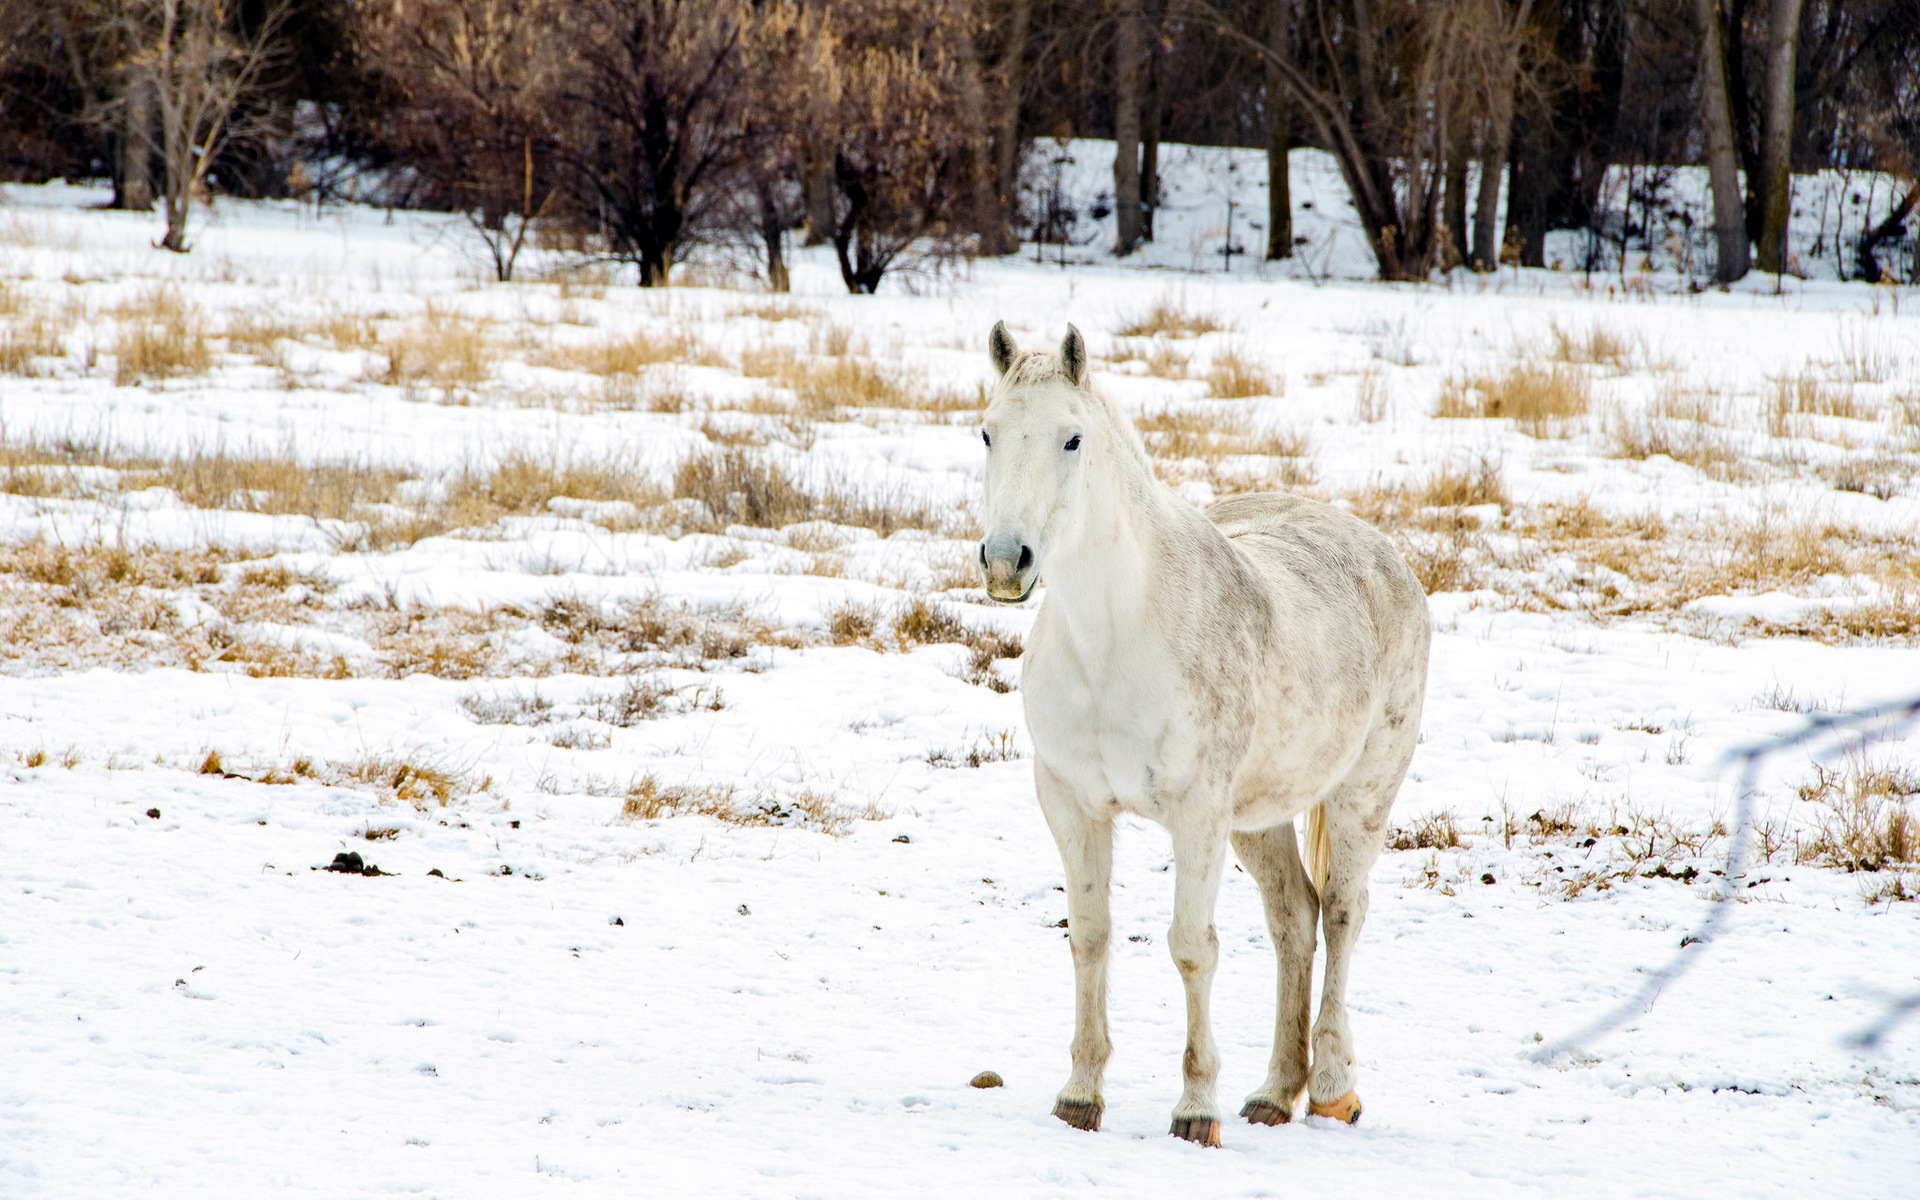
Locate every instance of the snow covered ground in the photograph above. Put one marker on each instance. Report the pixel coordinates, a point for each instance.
(739, 875)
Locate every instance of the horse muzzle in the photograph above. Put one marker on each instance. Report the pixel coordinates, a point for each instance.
(1009, 566)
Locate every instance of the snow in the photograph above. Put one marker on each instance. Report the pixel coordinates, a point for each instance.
(190, 1007)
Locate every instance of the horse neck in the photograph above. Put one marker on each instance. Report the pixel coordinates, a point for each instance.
(1102, 580)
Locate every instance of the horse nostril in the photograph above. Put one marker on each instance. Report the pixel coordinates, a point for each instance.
(1026, 558)
(983, 556)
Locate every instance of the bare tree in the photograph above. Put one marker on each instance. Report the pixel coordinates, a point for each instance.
(1773, 190)
(198, 63)
(901, 150)
(470, 87)
(1723, 165)
(1279, 34)
(1129, 80)
(1500, 79)
(653, 101)
(1014, 22)
(1382, 82)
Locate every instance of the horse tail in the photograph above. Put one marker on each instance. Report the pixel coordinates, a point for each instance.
(1319, 849)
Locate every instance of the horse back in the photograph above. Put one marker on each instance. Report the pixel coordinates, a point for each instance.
(1313, 555)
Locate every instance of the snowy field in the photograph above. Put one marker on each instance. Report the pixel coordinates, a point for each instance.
(636, 638)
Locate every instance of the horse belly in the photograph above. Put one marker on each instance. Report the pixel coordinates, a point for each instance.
(1290, 770)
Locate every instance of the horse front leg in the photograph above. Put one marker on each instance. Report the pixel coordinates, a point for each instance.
(1199, 857)
(1085, 839)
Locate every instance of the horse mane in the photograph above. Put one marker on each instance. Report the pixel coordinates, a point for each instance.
(1036, 367)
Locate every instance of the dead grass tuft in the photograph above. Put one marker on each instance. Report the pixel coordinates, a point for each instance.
(994, 747)
(629, 355)
(738, 487)
(422, 783)
(1538, 401)
(1865, 819)
(1171, 317)
(522, 484)
(161, 335)
(1232, 376)
(26, 343)
(1436, 831)
(1594, 346)
(443, 350)
(1683, 425)
(648, 799)
(1462, 485)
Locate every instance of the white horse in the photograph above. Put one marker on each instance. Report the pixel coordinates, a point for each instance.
(1220, 674)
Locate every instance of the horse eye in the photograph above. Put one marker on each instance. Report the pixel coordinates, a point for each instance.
(1073, 443)
(985, 438)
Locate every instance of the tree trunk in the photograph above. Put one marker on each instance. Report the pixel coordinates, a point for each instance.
(1453, 205)
(1527, 189)
(1486, 209)
(773, 235)
(1729, 214)
(133, 181)
(1775, 188)
(1150, 136)
(1127, 81)
(1279, 138)
(1007, 138)
(817, 185)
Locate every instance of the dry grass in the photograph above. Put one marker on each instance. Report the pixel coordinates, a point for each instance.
(832, 387)
(643, 698)
(1539, 401)
(26, 342)
(920, 621)
(1443, 544)
(523, 484)
(739, 487)
(273, 482)
(1171, 317)
(1687, 426)
(1864, 354)
(1807, 394)
(994, 747)
(630, 355)
(1863, 819)
(161, 335)
(1646, 564)
(421, 782)
(259, 330)
(1462, 485)
(1564, 850)
(1594, 346)
(1882, 476)
(1210, 433)
(1233, 376)
(649, 799)
(443, 350)
(1436, 831)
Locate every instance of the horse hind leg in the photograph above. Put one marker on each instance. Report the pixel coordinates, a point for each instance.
(1355, 824)
(1272, 858)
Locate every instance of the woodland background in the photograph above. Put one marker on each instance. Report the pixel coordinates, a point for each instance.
(896, 130)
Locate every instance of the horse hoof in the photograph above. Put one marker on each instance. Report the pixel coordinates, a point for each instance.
(1265, 1112)
(1205, 1130)
(1346, 1109)
(1081, 1114)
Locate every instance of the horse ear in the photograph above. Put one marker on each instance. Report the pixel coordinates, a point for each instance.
(1073, 357)
(1000, 345)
